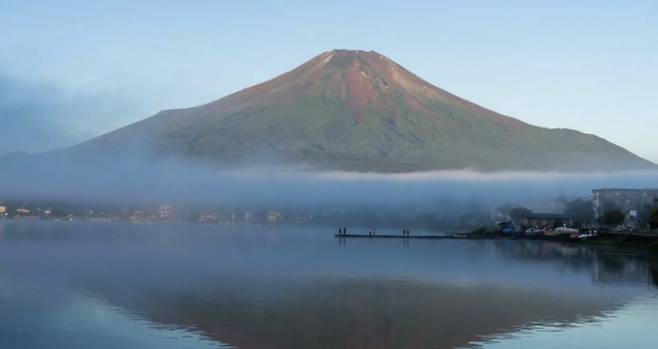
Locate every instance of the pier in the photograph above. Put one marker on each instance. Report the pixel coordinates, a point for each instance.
(397, 236)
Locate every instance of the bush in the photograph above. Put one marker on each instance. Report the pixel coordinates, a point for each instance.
(653, 247)
(519, 212)
(613, 217)
(479, 231)
(653, 219)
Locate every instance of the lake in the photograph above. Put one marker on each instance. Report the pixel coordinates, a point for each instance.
(113, 285)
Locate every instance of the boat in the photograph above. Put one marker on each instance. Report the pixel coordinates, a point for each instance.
(533, 232)
(567, 231)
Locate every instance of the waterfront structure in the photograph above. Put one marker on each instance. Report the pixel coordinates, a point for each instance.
(632, 202)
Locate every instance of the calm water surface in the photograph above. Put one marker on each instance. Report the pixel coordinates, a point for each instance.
(83, 285)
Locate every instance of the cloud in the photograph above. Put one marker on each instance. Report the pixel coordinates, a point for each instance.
(36, 117)
(138, 178)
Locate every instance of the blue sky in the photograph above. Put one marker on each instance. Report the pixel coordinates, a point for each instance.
(70, 70)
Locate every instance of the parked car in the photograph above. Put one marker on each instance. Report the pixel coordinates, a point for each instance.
(534, 232)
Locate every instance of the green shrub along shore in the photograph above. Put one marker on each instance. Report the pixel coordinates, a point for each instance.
(643, 242)
(652, 248)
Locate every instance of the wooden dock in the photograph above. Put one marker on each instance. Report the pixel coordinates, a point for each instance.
(396, 236)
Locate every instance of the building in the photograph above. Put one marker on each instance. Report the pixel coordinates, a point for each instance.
(210, 217)
(3, 210)
(546, 220)
(136, 216)
(274, 216)
(23, 212)
(632, 202)
(166, 212)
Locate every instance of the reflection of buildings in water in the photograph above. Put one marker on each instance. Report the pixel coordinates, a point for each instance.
(653, 269)
(608, 265)
(616, 269)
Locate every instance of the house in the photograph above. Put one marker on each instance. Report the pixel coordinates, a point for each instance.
(543, 220)
(274, 216)
(23, 212)
(166, 212)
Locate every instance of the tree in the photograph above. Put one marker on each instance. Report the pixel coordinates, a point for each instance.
(519, 212)
(581, 210)
(613, 217)
(653, 219)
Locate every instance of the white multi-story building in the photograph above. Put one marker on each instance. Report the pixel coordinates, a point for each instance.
(630, 201)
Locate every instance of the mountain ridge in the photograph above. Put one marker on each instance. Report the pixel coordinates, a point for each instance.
(360, 111)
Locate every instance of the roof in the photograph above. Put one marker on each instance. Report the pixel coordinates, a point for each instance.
(624, 190)
(547, 216)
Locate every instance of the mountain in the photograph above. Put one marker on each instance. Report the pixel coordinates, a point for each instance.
(360, 111)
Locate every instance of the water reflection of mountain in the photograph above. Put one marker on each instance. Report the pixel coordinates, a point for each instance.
(607, 265)
(357, 314)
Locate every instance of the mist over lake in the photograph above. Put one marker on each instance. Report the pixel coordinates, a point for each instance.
(140, 179)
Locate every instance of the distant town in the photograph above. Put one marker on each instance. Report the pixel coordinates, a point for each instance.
(615, 208)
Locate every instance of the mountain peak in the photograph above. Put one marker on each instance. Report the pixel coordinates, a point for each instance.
(362, 80)
(345, 59)
(343, 54)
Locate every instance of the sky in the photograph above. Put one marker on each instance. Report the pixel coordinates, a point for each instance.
(72, 70)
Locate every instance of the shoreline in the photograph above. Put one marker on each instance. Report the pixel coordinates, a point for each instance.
(645, 242)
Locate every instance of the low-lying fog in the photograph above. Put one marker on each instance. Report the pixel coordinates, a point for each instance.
(141, 180)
